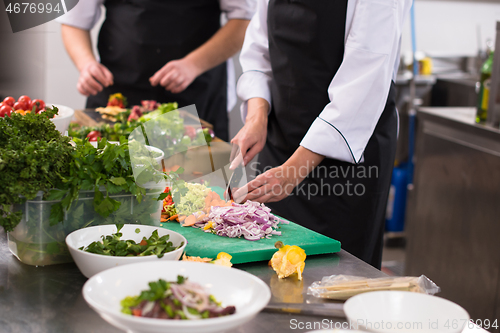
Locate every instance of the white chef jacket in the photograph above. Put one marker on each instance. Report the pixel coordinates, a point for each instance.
(358, 91)
(86, 14)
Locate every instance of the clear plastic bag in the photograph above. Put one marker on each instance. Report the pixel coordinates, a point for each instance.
(341, 287)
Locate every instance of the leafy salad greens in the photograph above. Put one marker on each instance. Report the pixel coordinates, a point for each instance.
(178, 300)
(113, 245)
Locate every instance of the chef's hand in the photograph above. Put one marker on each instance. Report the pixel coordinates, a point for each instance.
(277, 183)
(94, 76)
(176, 75)
(252, 137)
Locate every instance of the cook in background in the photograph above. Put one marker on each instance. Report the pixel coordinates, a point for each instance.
(318, 89)
(167, 51)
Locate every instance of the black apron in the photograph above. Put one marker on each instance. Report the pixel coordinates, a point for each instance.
(139, 37)
(306, 48)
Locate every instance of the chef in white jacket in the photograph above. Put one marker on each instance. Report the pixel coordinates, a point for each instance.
(319, 108)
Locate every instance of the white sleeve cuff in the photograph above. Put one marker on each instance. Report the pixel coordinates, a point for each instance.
(240, 14)
(324, 139)
(253, 84)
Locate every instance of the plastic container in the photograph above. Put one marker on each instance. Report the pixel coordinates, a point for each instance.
(396, 205)
(35, 242)
(63, 118)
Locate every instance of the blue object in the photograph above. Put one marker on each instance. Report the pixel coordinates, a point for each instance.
(402, 175)
(396, 205)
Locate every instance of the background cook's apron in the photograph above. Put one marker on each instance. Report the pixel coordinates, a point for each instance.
(306, 47)
(139, 37)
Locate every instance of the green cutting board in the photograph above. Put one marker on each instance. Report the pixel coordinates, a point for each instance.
(207, 245)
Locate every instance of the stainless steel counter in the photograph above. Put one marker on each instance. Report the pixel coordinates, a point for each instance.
(49, 299)
(453, 210)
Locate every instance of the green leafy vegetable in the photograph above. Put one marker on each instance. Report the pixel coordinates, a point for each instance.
(113, 245)
(197, 304)
(33, 156)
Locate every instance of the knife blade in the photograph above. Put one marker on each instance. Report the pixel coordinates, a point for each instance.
(321, 309)
(233, 182)
(235, 158)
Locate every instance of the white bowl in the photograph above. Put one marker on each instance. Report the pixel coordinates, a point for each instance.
(403, 311)
(63, 117)
(104, 291)
(91, 263)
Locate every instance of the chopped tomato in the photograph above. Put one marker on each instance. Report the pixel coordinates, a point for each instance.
(137, 312)
(143, 242)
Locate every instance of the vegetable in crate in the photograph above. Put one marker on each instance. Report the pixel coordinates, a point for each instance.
(78, 203)
(106, 170)
(33, 157)
(168, 300)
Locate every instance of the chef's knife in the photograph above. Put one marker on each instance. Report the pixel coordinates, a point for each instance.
(234, 182)
(320, 309)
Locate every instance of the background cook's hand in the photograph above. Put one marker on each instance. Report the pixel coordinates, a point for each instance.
(94, 76)
(176, 75)
(252, 137)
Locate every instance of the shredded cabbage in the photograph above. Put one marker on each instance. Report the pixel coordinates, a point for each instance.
(193, 201)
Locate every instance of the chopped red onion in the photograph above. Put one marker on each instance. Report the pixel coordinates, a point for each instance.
(252, 220)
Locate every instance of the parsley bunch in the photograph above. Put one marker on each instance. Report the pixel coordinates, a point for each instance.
(33, 157)
(105, 170)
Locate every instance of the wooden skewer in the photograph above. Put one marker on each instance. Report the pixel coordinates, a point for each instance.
(364, 283)
(345, 294)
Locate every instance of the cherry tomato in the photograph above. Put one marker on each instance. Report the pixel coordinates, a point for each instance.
(40, 104)
(9, 101)
(20, 106)
(94, 135)
(25, 99)
(5, 110)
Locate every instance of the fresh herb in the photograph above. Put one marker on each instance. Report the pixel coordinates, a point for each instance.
(106, 170)
(113, 245)
(181, 279)
(33, 157)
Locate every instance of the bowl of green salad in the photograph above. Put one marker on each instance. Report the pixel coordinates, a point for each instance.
(176, 297)
(98, 248)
